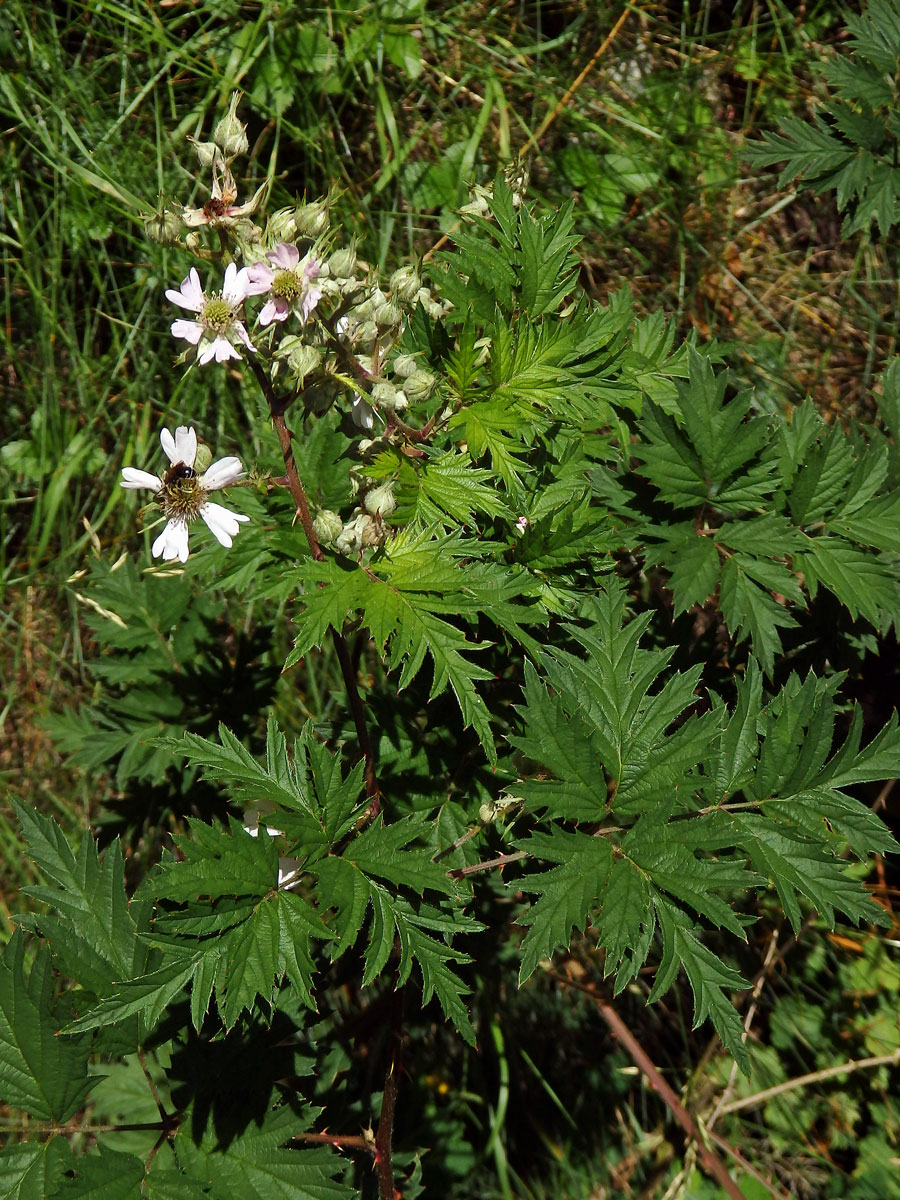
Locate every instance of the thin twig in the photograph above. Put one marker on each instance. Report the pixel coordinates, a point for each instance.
(576, 84)
(459, 872)
(710, 1161)
(789, 1085)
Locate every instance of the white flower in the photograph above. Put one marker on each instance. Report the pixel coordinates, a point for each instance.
(218, 327)
(182, 494)
(362, 413)
(287, 283)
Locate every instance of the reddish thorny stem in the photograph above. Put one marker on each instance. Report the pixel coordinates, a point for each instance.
(285, 438)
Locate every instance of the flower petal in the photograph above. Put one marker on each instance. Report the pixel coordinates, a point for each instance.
(222, 473)
(185, 445)
(133, 478)
(191, 331)
(275, 310)
(234, 289)
(224, 350)
(241, 332)
(310, 300)
(259, 279)
(190, 294)
(362, 413)
(168, 444)
(223, 524)
(172, 543)
(285, 256)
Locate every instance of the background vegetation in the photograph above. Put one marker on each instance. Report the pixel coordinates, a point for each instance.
(640, 116)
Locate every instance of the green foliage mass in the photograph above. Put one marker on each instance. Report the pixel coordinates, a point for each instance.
(561, 774)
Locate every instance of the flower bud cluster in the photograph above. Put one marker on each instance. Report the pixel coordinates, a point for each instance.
(323, 325)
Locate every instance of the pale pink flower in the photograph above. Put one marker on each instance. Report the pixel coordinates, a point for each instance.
(287, 282)
(182, 494)
(218, 328)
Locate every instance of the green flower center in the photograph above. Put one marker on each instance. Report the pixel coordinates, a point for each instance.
(287, 286)
(217, 314)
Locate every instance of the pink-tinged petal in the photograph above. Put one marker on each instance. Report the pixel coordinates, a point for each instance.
(168, 444)
(312, 269)
(275, 310)
(194, 218)
(235, 290)
(241, 332)
(224, 350)
(222, 523)
(190, 295)
(284, 256)
(259, 279)
(185, 445)
(222, 473)
(172, 543)
(310, 300)
(191, 331)
(133, 478)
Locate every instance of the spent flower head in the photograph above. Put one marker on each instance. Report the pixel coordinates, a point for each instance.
(183, 494)
(218, 329)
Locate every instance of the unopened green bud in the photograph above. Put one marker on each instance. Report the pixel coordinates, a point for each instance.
(327, 526)
(342, 263)
(384, 395)
(405, 284)
(381, 500)
(304, 360)
(230, 133)
(356, 535)
(419, 386)
(405, 365)
(312, 220)
(401, 403)
(203, 458)
(351, 286)
(281, 226)
(209, 154)
(388, 315)
(164, 227)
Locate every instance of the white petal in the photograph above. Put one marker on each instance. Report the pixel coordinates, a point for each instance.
(236, 286)
(224, 350)
(205, 355)
(172, 542)
(222, 523)
(190, 295)
(242, 336)
(362, 413)
(222, 473)
(133, 478)
(185, 445)
(168, 444)
(241, 287)
(191, 331)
